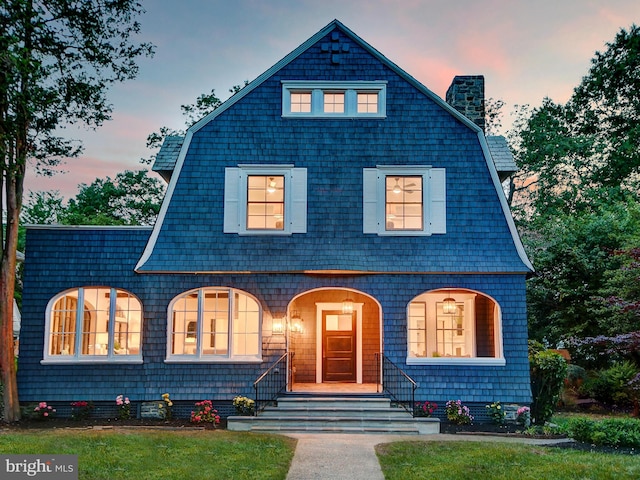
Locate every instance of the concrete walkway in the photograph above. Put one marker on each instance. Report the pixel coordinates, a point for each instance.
(325, 456)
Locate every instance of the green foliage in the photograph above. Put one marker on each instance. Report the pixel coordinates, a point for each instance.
(576, 268)
(59, 59)
(575, 373)
(612, 432)
(577, 200)
(548, 371)
(458, 413)
(496, 412)
(132, 198)
(611, 386)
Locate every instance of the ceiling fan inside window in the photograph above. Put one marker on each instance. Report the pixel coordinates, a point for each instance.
(397, 188)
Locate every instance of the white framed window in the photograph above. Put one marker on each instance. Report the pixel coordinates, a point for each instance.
(265, 200)
(334, 99)
(93, 324)
(404, 200)
(454, 327)
(213, 324)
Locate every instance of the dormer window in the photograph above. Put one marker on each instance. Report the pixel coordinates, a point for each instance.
(334, 99)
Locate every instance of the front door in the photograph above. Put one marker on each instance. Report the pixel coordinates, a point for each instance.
(338, 346)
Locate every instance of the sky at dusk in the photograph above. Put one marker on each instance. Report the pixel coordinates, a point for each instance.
(525, 49)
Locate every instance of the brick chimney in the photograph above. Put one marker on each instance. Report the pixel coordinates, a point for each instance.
(466, 95)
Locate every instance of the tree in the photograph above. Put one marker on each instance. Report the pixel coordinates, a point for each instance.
(133, 198)
(577, 198)
(575, 265)
(42, 208)
(587, 151)
(57, 59)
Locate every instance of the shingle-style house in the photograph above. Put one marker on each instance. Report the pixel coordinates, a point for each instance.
(335, 215)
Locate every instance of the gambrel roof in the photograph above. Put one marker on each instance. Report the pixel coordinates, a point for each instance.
(208, 144)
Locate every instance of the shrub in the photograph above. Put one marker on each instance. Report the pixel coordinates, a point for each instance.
(124, 407)
(165, 409)
(205, 413)
(611, 385)
(81, 409)
(458, 413)
(612, 432)
(425, 409)
(42, 411)
(523, 416)
(548, 371)
(575, 375)
(244, 405)
(496, 412)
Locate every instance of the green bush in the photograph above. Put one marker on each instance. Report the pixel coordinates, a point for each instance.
(611, 385)
(575, 373)
(548, 370)
(612, 432)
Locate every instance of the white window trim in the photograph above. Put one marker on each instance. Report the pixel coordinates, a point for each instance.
(475, 362)
(350, 89)
(496, 361)
(198, 357)
(77, 357)
(433, 199)
(295, 199)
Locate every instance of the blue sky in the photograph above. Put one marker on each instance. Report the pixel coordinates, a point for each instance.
(525, 49)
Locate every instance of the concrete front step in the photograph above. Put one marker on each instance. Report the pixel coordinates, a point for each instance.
(346, 415)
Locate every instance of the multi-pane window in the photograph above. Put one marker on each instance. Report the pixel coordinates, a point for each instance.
(265, 202)
(451, 335)
(404, 200)
(94, 323)
(404, 208)
(334, 99)
(333, 102)
(367, 102)
(301, 102)
(455, 325)
(214, 324)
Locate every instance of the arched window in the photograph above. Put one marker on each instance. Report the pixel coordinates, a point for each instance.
(214, 324)
(94, 324)
(454, 326)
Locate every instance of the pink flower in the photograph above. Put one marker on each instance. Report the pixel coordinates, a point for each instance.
(45, 414)
(126, 401)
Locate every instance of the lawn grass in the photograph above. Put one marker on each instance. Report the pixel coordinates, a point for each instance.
(497, 461)
(166, 455)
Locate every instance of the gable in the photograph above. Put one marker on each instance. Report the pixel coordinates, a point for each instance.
(250, 129)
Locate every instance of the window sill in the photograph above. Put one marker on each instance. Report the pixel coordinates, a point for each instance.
(336, 116)
(472, 362)
(90, 361)
(193, 359)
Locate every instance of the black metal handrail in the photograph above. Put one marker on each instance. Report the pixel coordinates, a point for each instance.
(272, 383)
(396, 383)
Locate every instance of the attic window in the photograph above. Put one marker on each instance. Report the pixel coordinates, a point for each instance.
(334, 99)
(301, 102)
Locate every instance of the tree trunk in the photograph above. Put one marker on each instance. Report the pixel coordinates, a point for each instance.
(7, 285)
